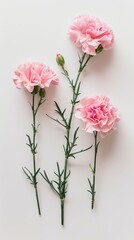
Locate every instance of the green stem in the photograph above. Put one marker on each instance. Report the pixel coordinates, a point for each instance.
(61, 184)
(34, 152)
(94, 168)
(62, 212)
(75, 91)
(66, 159)
(81, 67)
(37, 199)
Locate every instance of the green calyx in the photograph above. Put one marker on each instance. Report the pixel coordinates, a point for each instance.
(99, 49)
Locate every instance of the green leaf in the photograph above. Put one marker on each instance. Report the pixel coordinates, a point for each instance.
(90, 184)
(36, 172)
(29, 177)
(29, 139)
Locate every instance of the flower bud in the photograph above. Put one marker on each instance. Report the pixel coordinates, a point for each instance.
(60, 60)
(42, 92)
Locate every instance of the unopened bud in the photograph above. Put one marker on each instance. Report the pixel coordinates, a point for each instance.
(42, 92)
(60, 60)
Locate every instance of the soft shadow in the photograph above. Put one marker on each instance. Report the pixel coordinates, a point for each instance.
(99, 63)
(108, 144)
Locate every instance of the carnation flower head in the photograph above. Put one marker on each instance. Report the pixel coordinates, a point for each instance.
(34, 74)
(97, 114)
(90, 34)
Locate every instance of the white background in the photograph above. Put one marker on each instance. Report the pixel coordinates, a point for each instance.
(36, 30)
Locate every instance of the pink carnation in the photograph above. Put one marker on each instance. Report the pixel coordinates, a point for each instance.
(98, 115)
(89, 33)
(34, 74)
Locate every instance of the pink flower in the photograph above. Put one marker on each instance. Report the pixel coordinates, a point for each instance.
(89, 33)
(98, 115)
(34, 74)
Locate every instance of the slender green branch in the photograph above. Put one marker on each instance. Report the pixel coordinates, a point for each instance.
(82, 150)
(32, 177)
(49, 182)
(62, 212)
(62, 176)
(34, 153)
(39, 104)
(61, 113)
(65, 73)
(56, 120)
(86, 61)
(93, 170)
(75, 90)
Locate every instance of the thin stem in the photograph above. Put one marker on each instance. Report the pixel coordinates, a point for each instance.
(34, 131)
(56, 120)
(60, 186)
(94, 168)
(66, 159)
(62, 212)
(82, 150)
(87, 61)
(37, 198)
(34, 150)
(74, 101)
(81, 67)
(75, 90)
